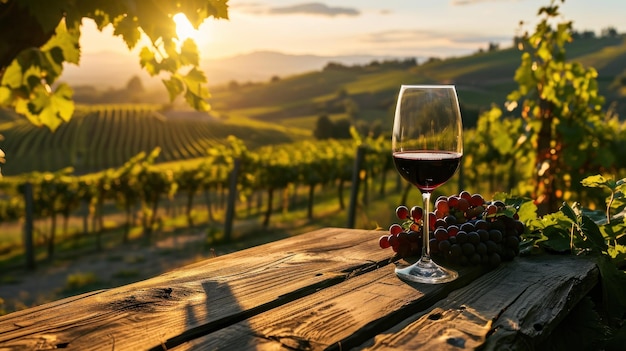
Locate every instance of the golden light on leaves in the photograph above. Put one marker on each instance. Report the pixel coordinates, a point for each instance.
(184, 29)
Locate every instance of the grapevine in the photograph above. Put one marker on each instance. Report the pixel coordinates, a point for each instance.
(464, 229)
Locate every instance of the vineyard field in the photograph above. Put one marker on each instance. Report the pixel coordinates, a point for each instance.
(106, 136)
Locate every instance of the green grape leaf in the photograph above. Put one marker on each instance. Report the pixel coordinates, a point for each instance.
(48, 109)
(66, 41)
(196, 82)
(175, 86)
(568, 211)
(613, 282)
(13, 76)
(189, 53)
(5, 95)
(48, 13)
(592, 233)
(148, 61)
(617, 253)
(127, 28)
(596, 181)
(554, 229)
(196, 102)
(169, 64)
(527, 210)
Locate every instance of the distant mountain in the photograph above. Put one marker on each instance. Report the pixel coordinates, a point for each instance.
(113, 70)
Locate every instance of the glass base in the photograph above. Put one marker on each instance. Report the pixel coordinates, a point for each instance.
(426, 271)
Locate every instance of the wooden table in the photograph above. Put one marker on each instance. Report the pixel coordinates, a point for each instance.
(328, 289)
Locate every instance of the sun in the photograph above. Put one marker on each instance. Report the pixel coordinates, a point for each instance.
(184, 29)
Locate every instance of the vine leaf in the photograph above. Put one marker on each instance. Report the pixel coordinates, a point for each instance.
(613, 283)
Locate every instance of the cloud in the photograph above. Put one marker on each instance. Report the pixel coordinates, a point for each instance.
(311, 8)
(427, 43)
(471, 2)
(425, 36)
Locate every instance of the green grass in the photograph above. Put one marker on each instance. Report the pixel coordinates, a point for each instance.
(78, 282)
(126, 273)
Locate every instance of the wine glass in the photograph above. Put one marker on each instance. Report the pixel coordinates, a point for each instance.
(427, 146)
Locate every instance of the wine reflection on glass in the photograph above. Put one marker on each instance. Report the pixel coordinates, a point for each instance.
(427, 147)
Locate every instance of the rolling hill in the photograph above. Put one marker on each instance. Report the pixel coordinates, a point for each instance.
(282, 109)
(481, 79)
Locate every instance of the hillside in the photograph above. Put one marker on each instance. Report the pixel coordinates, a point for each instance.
(101, 137)
(111, 70)
(280, 110)
(481, 79)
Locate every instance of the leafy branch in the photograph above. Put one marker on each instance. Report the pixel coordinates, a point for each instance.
(583, 231)
(38, 37)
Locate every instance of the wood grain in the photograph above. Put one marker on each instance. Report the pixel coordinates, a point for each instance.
(511, 308)
(331, 289)
(338, 317)
(197, 299)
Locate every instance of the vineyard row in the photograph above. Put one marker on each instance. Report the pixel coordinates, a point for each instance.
(141, 183)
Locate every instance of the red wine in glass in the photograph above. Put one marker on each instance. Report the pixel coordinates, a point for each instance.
(427, 147)
(427, 169)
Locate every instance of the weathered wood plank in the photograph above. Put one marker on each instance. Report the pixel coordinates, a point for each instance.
(516, 306)
(199, 298)
(329, 289)
(339, 317)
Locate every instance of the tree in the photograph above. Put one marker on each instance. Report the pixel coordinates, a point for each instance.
(560, 104)
(134, 85)
(38, 37)
(609, 32)
(341, 129)
(323, 128)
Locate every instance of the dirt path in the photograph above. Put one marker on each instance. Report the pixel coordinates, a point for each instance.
(20, 289)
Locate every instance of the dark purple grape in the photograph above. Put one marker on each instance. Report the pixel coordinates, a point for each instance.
(473, 237)
(450, 219)
(441, 234)
(444, 246)
(481, 248)
(475, 259)
(484, 259)
(463, 260)
(453, 230)
(494, 259)
(483, 234)
(499, 204)
(495, 235)
(498, 224)
(481, 224)
(468, 249)
(414, 237)
(461, 237)
(508, 254)
(441, 223)
(403, 236)
(455, 250)
(511, 242)
(393, 241)
(491, 246)
(467, 227)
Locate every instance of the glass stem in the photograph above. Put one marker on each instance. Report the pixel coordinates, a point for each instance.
(426, 229)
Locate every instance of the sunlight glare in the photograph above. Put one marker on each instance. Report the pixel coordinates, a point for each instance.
(184, 29)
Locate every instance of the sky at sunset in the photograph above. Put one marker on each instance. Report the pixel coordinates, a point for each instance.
(404, 28)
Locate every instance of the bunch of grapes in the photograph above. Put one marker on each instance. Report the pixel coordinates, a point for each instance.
(464, 229)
